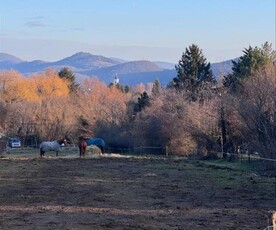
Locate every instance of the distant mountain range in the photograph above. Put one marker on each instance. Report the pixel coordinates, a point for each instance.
(88, 65)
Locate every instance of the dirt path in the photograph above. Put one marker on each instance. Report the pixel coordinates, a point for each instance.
(129, 193)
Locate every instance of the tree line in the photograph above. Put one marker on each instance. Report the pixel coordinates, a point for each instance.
(193, 114)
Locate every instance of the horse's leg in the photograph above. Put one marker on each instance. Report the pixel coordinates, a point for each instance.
(102, 149)
(84, 150)
(41, 152)
(81, 151)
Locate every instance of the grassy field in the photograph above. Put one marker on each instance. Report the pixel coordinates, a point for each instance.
(123, 192)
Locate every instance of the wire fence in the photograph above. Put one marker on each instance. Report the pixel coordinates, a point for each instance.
(253, 162)
(246, 161)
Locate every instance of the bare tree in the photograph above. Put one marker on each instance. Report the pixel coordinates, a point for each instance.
(257, 110)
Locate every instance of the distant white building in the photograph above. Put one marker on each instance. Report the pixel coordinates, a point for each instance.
(116, 80)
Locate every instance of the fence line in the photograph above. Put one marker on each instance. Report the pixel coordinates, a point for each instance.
(250, 156)
(261, 158)
(166, 151)
(269, 228)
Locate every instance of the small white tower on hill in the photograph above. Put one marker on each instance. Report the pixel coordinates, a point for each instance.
(116, 80)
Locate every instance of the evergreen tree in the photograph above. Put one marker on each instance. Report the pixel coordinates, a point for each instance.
(123, 89)
(192, 72)
(66, 74)
(127, 89)
(269, 52)
(143, 101)
(252, 60)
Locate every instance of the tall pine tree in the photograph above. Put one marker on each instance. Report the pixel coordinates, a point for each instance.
(252, 60)
(66, 74)
(193, 72)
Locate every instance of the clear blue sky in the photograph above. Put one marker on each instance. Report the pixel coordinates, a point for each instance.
(134, 29)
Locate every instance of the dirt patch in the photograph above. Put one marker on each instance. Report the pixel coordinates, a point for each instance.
(129, 193)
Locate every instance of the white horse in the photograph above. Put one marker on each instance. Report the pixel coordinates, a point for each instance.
(46, 146)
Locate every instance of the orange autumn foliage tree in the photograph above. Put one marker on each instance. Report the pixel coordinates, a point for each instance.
(53, 118)
(100, 103)
(49, 85)
(14, 87)
(36, 104)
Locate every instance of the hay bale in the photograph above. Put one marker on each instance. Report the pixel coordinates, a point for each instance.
(93, 150)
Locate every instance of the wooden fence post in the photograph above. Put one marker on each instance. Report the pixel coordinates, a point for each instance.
(167, 153)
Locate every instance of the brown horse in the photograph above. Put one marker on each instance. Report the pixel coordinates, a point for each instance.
(85, 142)
(82, 146)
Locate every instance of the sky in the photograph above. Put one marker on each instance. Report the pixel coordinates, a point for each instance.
(155, 30)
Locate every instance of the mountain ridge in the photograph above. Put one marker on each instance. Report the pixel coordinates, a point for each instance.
(84, 64)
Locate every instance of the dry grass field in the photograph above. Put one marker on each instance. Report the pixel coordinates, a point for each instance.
(116, 192)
